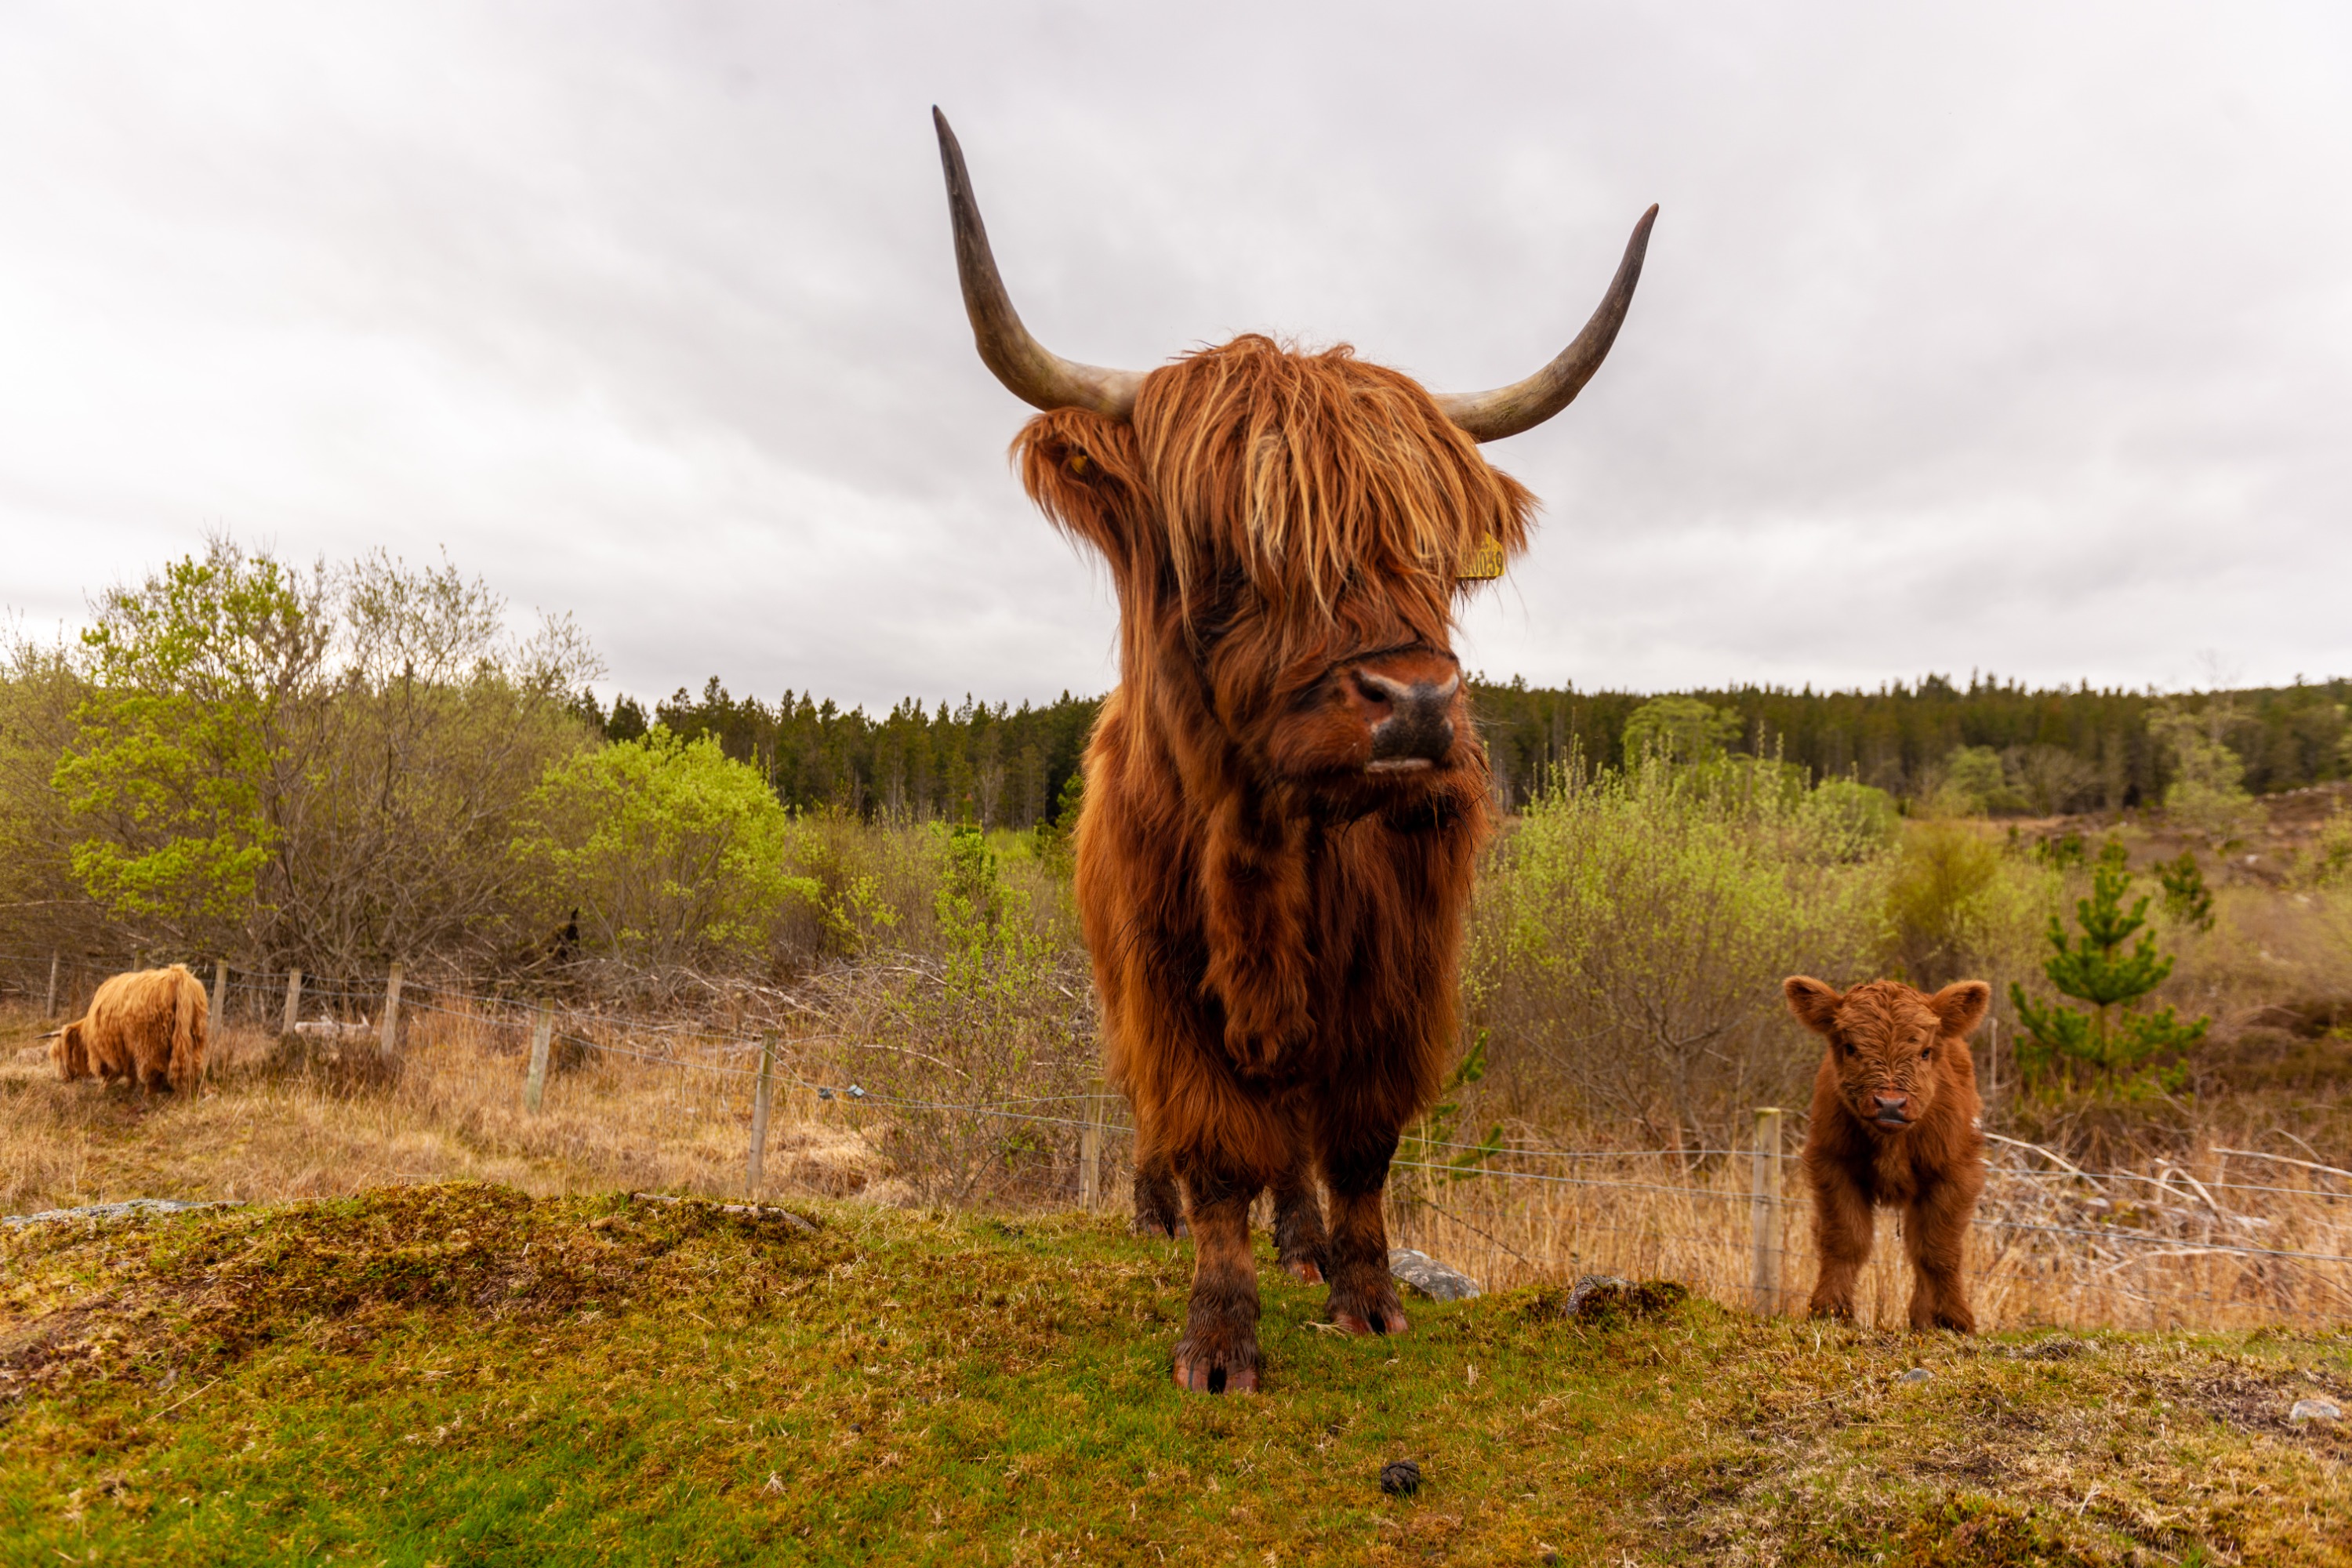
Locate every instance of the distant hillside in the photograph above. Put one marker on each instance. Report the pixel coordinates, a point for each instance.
(2066, 749)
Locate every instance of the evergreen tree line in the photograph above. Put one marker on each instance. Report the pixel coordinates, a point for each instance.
(2042, 750)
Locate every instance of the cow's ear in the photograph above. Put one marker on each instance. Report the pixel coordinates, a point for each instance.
(1961, 1006)
(1815, 1003)
(1083, 472)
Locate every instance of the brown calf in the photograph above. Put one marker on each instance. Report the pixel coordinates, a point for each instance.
(1896, 1120)
(149, 1025)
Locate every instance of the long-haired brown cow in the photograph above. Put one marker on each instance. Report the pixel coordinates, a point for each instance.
(1285, 795)
(149, 1025)
(1896, 1120)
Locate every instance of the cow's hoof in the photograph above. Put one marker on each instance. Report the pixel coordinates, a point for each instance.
(1370, 1313)
(1204, 1376)
(1210, 1360)
(1161, 1229)
(1306, 1270)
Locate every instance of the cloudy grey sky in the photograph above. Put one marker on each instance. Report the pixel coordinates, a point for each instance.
(2003, 336)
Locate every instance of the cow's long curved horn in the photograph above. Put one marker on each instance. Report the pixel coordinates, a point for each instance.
(1523, 405)
(1029, 370)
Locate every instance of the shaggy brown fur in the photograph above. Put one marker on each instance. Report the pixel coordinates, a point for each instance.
(149, 1025)
(1274, 921)
(1896, 1120)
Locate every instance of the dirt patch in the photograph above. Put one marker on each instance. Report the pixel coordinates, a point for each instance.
(1600, 1299)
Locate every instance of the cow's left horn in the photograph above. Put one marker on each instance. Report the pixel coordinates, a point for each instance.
(1523, 405)
(1029, 370)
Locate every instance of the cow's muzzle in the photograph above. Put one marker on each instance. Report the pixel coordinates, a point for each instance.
(1412, 720)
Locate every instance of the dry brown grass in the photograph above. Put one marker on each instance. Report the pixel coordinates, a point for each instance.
(670, 1109)
(2047, 1249)
(271, 1125)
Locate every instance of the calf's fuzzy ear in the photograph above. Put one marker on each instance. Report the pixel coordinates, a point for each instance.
(1961, 1005)
(1814, 1002)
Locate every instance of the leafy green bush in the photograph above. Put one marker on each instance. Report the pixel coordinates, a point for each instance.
(1678, 730)
(1632, 930)
(671, 852)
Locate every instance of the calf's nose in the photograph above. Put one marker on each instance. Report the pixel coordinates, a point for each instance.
(1892, 1105)
(1412, 722)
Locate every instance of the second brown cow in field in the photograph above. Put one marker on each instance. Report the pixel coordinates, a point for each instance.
(1896, 1120)
(150, 1025)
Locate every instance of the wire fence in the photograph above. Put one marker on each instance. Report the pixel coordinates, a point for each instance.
(2231, 1238)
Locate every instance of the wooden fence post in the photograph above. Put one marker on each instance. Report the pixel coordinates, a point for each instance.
(220, 994)
(293, 1000)
(388, 1044)
(1764, 1212)
(751, 1167)
(49, 1008)
(534, 1088)
(1090, 1154)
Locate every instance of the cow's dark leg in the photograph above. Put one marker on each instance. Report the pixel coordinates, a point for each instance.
(1219, 1350)
(1298, 1238)
(1159, 1208)
(1363, 1296)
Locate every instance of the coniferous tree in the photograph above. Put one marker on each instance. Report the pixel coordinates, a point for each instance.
(2112, 1042)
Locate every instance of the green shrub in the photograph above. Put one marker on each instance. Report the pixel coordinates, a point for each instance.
(671, 852)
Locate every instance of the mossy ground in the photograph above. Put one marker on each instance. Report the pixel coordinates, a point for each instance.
(464, 1375)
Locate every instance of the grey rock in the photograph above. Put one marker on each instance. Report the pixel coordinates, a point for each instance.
(1917, 1374)
(2316, 1410)
(1432, 1279)
(122, 1210)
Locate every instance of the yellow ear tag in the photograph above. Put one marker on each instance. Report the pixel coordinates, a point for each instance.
(1486, 563)
(1077, 465)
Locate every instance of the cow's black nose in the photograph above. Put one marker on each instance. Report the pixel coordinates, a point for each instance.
(1418, 726)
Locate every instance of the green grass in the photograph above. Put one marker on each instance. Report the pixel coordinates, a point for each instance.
(462, 1374)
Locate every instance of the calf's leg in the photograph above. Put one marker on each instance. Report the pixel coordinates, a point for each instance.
(1936, 1234)
(1841, 1228)
(1363, 1294)
(1219, 1350)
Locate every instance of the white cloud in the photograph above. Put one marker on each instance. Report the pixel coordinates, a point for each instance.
(2007, 337)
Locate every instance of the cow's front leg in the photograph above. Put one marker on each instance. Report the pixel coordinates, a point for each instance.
(1298, 1237)
(1219, 1350)
(1363, 1294)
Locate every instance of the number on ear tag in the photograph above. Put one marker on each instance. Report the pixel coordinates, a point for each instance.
(1486, 563)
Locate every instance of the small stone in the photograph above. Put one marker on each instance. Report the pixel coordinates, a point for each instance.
(1400, 1477)
(2316, 1410)
(1917, 1374)
(1431, 1277)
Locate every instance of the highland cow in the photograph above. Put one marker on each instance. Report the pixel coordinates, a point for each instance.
(149, 1025)
(1896, 1120)
(1285, 795)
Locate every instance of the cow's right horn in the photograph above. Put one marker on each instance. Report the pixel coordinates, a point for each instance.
(1029, 370)
(1524, 405)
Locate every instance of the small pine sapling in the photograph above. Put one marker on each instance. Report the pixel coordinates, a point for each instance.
(2186, 899)
(2113, 1042)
